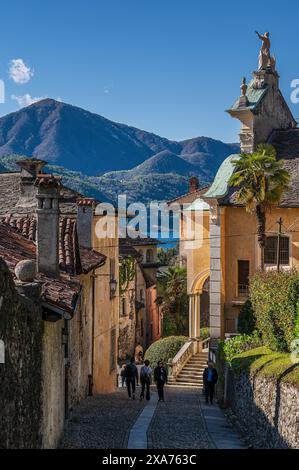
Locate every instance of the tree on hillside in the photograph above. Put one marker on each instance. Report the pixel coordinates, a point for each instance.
(261, 180)
(173, 298)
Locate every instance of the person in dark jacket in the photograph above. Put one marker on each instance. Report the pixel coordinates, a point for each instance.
(131, 376)
(160, 377)
(210, 378)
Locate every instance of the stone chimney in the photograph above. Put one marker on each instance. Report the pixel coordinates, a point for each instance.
(85, 213)
(48, 187)
(30, 168)
(193, 184)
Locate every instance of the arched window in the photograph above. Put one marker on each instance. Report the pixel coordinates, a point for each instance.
(270, 251)
(149, 256)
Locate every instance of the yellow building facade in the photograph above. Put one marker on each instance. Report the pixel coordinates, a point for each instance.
(223, 252)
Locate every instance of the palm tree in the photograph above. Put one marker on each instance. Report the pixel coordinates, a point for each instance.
(261, 180)
(172, 296)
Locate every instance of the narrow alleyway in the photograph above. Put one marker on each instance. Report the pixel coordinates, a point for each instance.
(182, 421)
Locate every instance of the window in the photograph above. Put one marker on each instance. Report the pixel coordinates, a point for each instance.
(270, 251)
(149, 256)
(243, 277)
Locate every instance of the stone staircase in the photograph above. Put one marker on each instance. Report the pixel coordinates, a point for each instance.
(191, 373)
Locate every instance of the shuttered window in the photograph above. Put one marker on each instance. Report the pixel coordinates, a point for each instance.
(270, 251)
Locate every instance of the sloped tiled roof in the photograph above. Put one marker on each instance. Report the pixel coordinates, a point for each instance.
(60, 292)
(73, 259)
(254, 96)
(189, 197)
(286, 143)
(126, 249)
(10, 195)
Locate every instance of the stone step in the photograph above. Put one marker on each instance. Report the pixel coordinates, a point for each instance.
(187, 374)
(191, 367)
(198, 361)
(191, 371)
(195, 366)
(190, 379)
(186, 384)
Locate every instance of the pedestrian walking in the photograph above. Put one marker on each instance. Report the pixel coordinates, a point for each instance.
(210, 378)
(131, 376)
(145, 380)
(123, 375)
(160, 376)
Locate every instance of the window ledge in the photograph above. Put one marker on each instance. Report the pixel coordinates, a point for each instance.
(239, 302)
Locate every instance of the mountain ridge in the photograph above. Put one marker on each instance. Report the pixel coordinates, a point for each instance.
(87, 146)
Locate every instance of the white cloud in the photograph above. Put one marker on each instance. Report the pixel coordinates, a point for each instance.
(26, 100)
(19, 72)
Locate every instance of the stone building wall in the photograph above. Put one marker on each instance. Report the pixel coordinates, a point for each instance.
(80, 345)
(266, 409)
(53, 381)
(21, 375)
(127, 323)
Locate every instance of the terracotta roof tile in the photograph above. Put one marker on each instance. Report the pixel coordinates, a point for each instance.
(73, 259)
(60, 292)
(286, 143)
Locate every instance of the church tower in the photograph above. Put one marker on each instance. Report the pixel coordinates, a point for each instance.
(261, 107)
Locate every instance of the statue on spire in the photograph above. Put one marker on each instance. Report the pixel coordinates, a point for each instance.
(265, 59)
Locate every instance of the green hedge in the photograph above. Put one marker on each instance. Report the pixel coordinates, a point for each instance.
(164, 349)
(246, 319)
(274, 297)
(230, 348)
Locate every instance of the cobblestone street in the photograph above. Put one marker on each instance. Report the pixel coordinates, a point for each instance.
(178, 423)
(102, 422)
(181, 422)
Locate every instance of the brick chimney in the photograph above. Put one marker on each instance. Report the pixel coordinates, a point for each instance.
(30, 168)
(85, 213)
(193, 184)
(48, 187)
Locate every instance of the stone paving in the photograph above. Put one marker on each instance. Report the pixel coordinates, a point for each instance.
(178, 423)
(102, 422)
(183, 421)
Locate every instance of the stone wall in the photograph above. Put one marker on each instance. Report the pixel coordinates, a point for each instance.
(21, 375)
(53, 380)
(266, 409)
(80, 345)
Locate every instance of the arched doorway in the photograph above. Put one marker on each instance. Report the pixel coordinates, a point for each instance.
(199, 304)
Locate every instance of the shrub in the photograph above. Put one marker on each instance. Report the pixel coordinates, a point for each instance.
(164, 349)
(246, 320)
(296, 329)
(204, 333)
(274, 297)
(231, 347)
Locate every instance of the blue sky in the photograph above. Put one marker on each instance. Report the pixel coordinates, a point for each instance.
(167, 66)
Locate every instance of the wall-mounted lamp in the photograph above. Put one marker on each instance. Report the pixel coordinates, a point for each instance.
(113, 288)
